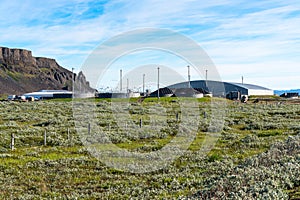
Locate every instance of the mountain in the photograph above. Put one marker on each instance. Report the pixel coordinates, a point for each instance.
(279, 92)
(20, 73)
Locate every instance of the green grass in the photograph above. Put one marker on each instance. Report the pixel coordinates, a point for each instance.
(264, 97)
(14, 75)
(60, 100)
(294, 194)
(65, 169)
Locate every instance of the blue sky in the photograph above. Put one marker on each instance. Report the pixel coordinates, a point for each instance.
(259, 40)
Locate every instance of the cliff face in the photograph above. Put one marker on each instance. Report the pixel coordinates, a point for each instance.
(20, 73)
(16, 56)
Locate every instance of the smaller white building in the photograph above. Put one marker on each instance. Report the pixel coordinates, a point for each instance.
(50, 94)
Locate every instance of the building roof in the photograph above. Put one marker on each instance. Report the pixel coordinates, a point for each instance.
(54, 91)
(249, 86)
(211, 83)
(219, 88)
(47, 93)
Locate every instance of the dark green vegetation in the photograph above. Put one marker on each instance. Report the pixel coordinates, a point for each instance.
(257, 155)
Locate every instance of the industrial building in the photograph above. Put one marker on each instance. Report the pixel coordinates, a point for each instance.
(180, 92)
(216, 89)
(290, 95)
(129, 94)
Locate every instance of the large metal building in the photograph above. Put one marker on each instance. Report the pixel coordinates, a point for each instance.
(222, 89)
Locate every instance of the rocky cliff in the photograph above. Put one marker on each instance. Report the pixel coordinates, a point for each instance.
(20, 73)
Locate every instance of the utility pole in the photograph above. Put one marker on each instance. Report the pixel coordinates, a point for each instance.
(45, 138)
(121, 80)
(158, 82)
(206, 71)
(12, 141)
(73, 82)
(143, 84)
(189, 77)
(127, 85)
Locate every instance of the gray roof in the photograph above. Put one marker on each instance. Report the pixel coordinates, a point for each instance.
(241, 85)
(219, 88)
(249, 86)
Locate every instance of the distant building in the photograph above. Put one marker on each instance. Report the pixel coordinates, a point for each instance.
(234, 95)
(221, 89)
(180, 92)
(293, 95)
(49, 94)
(216, 89)
(118, 95)
(112, 95)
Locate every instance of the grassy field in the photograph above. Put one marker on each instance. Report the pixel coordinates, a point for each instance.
(256, 154)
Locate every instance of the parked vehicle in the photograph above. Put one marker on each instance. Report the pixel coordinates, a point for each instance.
(11, 97)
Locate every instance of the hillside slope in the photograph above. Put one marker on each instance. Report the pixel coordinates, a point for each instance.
(20, 72)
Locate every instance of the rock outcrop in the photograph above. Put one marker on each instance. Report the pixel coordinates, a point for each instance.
(20, 73)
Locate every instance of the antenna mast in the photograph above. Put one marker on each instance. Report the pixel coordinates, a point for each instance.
(121, 80)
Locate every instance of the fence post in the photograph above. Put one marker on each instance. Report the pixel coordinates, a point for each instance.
(89, 128)
(177, 117)
(12, 142)
(68, 134)
(140, 123)
(45, 138)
